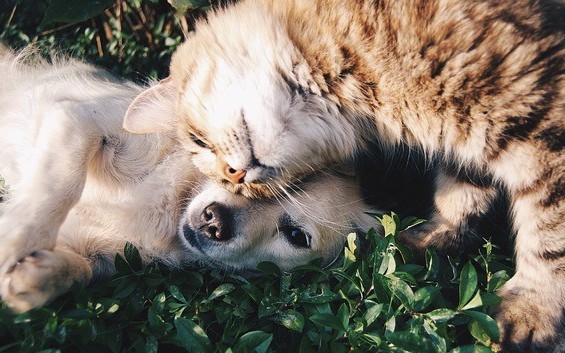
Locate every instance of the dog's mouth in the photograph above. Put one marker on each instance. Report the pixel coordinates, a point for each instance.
(192, 237)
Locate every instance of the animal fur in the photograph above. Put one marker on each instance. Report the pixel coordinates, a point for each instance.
(266, 91)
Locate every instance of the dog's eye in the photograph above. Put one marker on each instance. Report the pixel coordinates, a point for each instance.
(297, 237)
(198, 141)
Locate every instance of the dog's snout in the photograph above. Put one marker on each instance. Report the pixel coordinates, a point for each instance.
(216, 222)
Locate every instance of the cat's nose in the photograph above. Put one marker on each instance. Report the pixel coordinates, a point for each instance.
(236, 176)
(216, 222)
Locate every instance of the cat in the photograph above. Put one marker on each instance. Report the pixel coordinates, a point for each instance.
(266, 92)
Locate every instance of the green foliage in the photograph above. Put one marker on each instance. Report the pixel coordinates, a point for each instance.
(370, 302)
(134, 38)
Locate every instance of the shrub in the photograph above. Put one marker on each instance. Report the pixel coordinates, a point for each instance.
(381, 301)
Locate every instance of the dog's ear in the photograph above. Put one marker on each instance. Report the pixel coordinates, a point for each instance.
(153, 111)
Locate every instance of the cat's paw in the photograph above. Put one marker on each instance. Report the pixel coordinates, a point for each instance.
(528, 323)
(440, 235)
(35, 280)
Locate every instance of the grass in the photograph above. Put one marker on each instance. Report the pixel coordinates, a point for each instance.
(376, 301)
(379, 299)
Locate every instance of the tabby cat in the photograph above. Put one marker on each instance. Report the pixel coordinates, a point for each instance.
(265, 91)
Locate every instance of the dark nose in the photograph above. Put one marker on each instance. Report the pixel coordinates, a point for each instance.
(216, 222)
(234, 175)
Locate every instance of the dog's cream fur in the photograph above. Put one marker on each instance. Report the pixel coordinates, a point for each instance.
(78, 188)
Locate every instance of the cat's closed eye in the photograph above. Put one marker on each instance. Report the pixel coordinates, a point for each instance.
(198, 141)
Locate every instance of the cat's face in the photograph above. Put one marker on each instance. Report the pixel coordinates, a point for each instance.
(309, 223)
(249, 129)
(247, 125)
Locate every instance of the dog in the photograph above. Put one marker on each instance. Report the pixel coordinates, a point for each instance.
(78, 188)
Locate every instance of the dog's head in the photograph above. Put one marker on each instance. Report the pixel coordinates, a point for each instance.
(289, 230)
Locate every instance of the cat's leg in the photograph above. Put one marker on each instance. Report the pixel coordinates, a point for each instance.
(51, 183)
(42, 276)
(453, 224)
(531, 314)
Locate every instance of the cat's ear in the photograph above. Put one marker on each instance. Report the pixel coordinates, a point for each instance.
(153, 111)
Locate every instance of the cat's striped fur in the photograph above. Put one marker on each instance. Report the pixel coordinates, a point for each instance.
(269, 90)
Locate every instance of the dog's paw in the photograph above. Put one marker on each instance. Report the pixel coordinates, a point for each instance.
(37, 279)
(10, 252)
(20, 240)
(528, 323)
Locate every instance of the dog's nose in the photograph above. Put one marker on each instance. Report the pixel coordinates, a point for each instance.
(216, 222)
(234, 175)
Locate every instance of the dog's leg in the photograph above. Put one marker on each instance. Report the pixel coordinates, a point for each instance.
(41, 277)
(50, 185)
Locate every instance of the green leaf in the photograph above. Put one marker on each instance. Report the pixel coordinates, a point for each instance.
(328, 320)
(291, 319)
(177, 294)
(373, 339)
(423, 297)
(337, 347)
(433, 265)
(441, 315)
(467, 284)
(381, 287)
(122, 266)
(497, 280)
(155, 313)
(305, 345)
(409, 222)
(372, 311)
(254, 341)
(438, 342)
(389, 224)
(151, 344)
(221, 290)
(268, 306)
(402, 291)
(350, 249)
(73, 11)
(485, 322)
(125, 288)
(325, 296)
(476, 302)
(269, 268)
(410, 341)
(388, 264)
(471, 349)
(182, 6)
(490, 299)
(191, 336)
(133, 257)
(343, 315)
(477, 332)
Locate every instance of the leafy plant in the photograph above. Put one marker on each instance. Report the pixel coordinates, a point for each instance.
(134, 38)
(379, 301)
